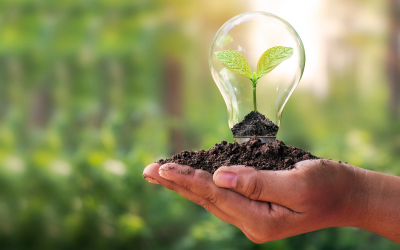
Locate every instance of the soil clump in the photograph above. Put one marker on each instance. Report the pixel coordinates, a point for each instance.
(255, 123)
(270, 156)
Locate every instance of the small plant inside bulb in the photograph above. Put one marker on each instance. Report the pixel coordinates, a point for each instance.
(254, 123)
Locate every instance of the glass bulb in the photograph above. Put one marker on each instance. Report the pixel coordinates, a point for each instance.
(251, 34)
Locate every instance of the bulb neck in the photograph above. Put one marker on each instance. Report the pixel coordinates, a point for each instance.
(264, 139)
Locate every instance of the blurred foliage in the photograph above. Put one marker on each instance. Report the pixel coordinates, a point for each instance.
(82, 111)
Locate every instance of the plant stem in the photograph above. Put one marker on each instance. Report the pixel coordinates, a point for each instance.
(254, 98)
(254, 83)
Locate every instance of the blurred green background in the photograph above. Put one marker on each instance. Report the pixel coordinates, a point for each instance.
(93, 91)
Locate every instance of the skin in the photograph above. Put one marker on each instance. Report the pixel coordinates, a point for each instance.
(272, 205)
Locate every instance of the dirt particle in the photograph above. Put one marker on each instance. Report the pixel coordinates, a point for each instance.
(186, 171)
(145, 176)
(205, 175)
(167, 167)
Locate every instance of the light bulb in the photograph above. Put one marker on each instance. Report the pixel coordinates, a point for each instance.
(256, 36)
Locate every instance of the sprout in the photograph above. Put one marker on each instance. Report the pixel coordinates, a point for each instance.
(268, 61)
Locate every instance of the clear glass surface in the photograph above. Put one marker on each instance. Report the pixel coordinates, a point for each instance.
(251, 34)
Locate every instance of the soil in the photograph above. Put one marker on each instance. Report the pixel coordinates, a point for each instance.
(270, 156)
(255, 123)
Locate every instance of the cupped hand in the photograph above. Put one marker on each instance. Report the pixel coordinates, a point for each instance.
(271, 205)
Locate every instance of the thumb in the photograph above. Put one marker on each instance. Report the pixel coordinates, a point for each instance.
(262, 185)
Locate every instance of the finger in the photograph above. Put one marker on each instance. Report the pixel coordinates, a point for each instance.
(200, 183)
(309, 164)
(263, 185)
(151, 173)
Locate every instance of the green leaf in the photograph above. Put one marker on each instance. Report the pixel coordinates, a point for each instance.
(235, 62)
(272, 58)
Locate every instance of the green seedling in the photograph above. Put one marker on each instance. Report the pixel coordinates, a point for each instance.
(269, 60)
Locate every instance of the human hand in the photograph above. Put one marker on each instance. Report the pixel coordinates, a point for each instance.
(271, 205)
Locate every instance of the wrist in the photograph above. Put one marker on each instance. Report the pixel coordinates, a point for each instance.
(363, 196)
(353, 207)
(376, 206)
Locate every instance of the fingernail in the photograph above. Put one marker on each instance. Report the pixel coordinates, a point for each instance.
(163, 170)
(150, 179)
(226, 180)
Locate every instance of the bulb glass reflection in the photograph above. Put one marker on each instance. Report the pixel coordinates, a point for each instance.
(251, 34)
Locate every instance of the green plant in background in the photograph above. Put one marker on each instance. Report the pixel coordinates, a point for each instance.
(268, 61)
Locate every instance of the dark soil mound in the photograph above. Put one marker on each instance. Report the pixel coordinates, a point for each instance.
(255, 123)
(270, 156)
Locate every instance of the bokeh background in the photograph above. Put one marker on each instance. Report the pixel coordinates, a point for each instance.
(93, 91)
